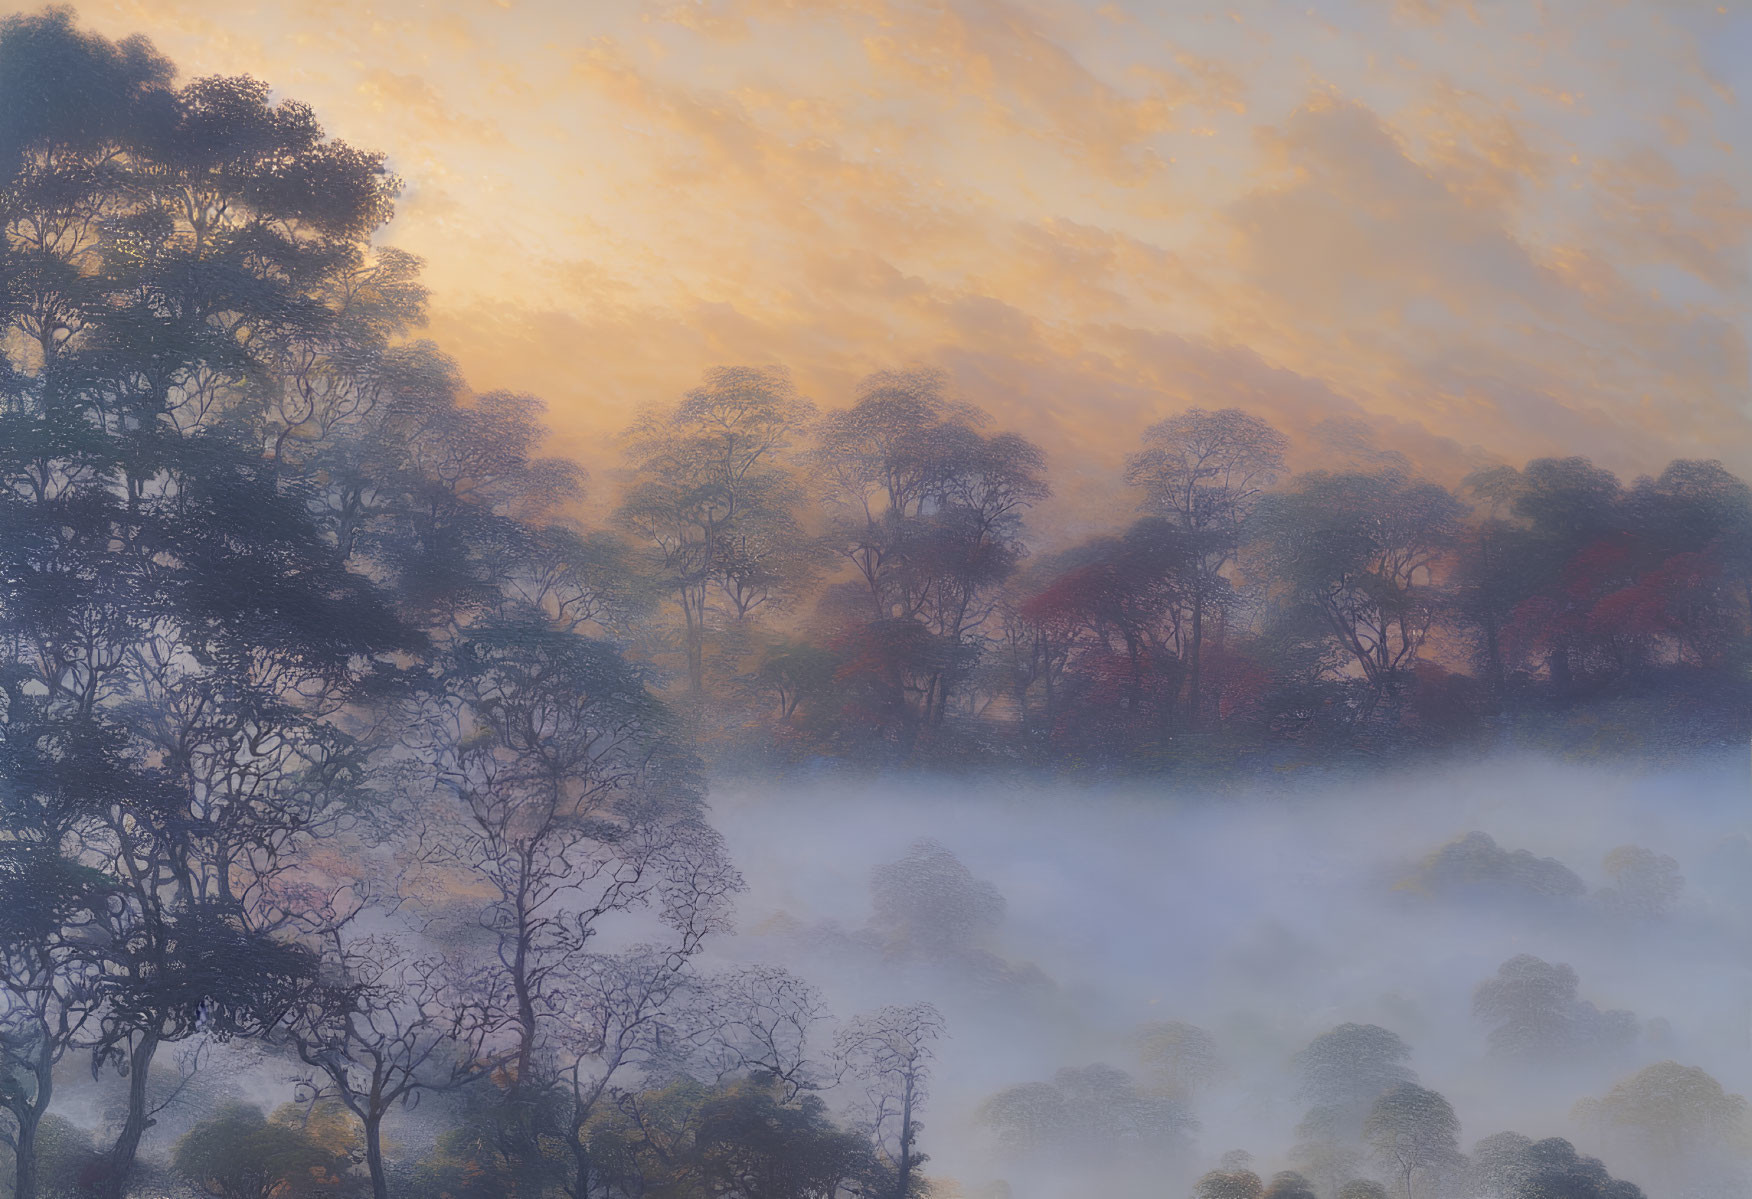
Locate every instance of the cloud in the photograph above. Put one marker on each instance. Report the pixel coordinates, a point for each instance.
(1479, 228)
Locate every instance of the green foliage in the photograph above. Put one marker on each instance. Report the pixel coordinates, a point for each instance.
(237, 1153)
(739, 1140)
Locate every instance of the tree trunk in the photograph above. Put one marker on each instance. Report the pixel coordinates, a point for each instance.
(904, 1167)
(1193, 664)
(1493, 659)
(24, 1163)
(1559, 662)
(374, 1156)
(580, 1165)
(525, 1014)
(694, 619)
(127, 1146)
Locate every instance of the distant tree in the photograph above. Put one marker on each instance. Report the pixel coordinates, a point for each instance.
(1229, 1184)
(1362, 1188)
(1496, 567)
(1118, 611)
(1674, 1113)
(1182, 1058)
(1345, 1070)
(1327, 1152)
(889, 1052)
(1205, 471)
(1642, 882)
(1476, 863)
(1415, 1133)
(1510, 1166)
(1500, 1165)
(1288, 1184)
(927, 511)
(1090, 1113)
(1573, 512)
(929, 903)
(1362, 553)
(1535, 1014)
(717, 498)
(1695, 507)
(796, 675)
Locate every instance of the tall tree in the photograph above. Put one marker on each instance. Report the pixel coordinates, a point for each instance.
(385, 1028)
(1362, 553)
(927, 511)
(184, 245)
(1205, 471)
(1415, 1133)
(889, 1051)
(717, 498)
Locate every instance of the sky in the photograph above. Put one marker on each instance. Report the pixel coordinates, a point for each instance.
(1472, 231)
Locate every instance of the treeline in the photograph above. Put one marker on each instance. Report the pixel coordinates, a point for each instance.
(305, 742)
(860, 583)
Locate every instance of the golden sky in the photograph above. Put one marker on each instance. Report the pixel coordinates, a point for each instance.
(1480, 229)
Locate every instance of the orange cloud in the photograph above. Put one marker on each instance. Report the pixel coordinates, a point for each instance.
(1476, 228)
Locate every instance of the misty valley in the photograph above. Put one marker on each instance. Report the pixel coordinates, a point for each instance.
(1117, 989)
(831, 792)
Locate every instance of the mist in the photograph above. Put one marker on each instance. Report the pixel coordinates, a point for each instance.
(1265, 914)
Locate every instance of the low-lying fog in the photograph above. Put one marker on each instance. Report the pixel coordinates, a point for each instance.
(1053, 923)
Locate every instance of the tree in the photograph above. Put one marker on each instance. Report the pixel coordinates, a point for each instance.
(180, 252)
(1496, 567)
(755, 1144)
(738, 1139)
(1343, 1072)
(1674, 1114)
(757, 1022)
(1229, 1184)
(929, 903)
(927, 511)
(1362, 1188)
(1476, 864)
(51, 910)
(1289, 1185)
(1535, 1014)
(1120, 609)
(384, 1029)
(889, 1052)
(717, 499)
(1510, 1166)
(1643, 883)
(560, 790)
(237, 1153)
(1093, 1114)
(1415, 1133)
(1361, 552)
(1205, 471)
(644, 1012)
